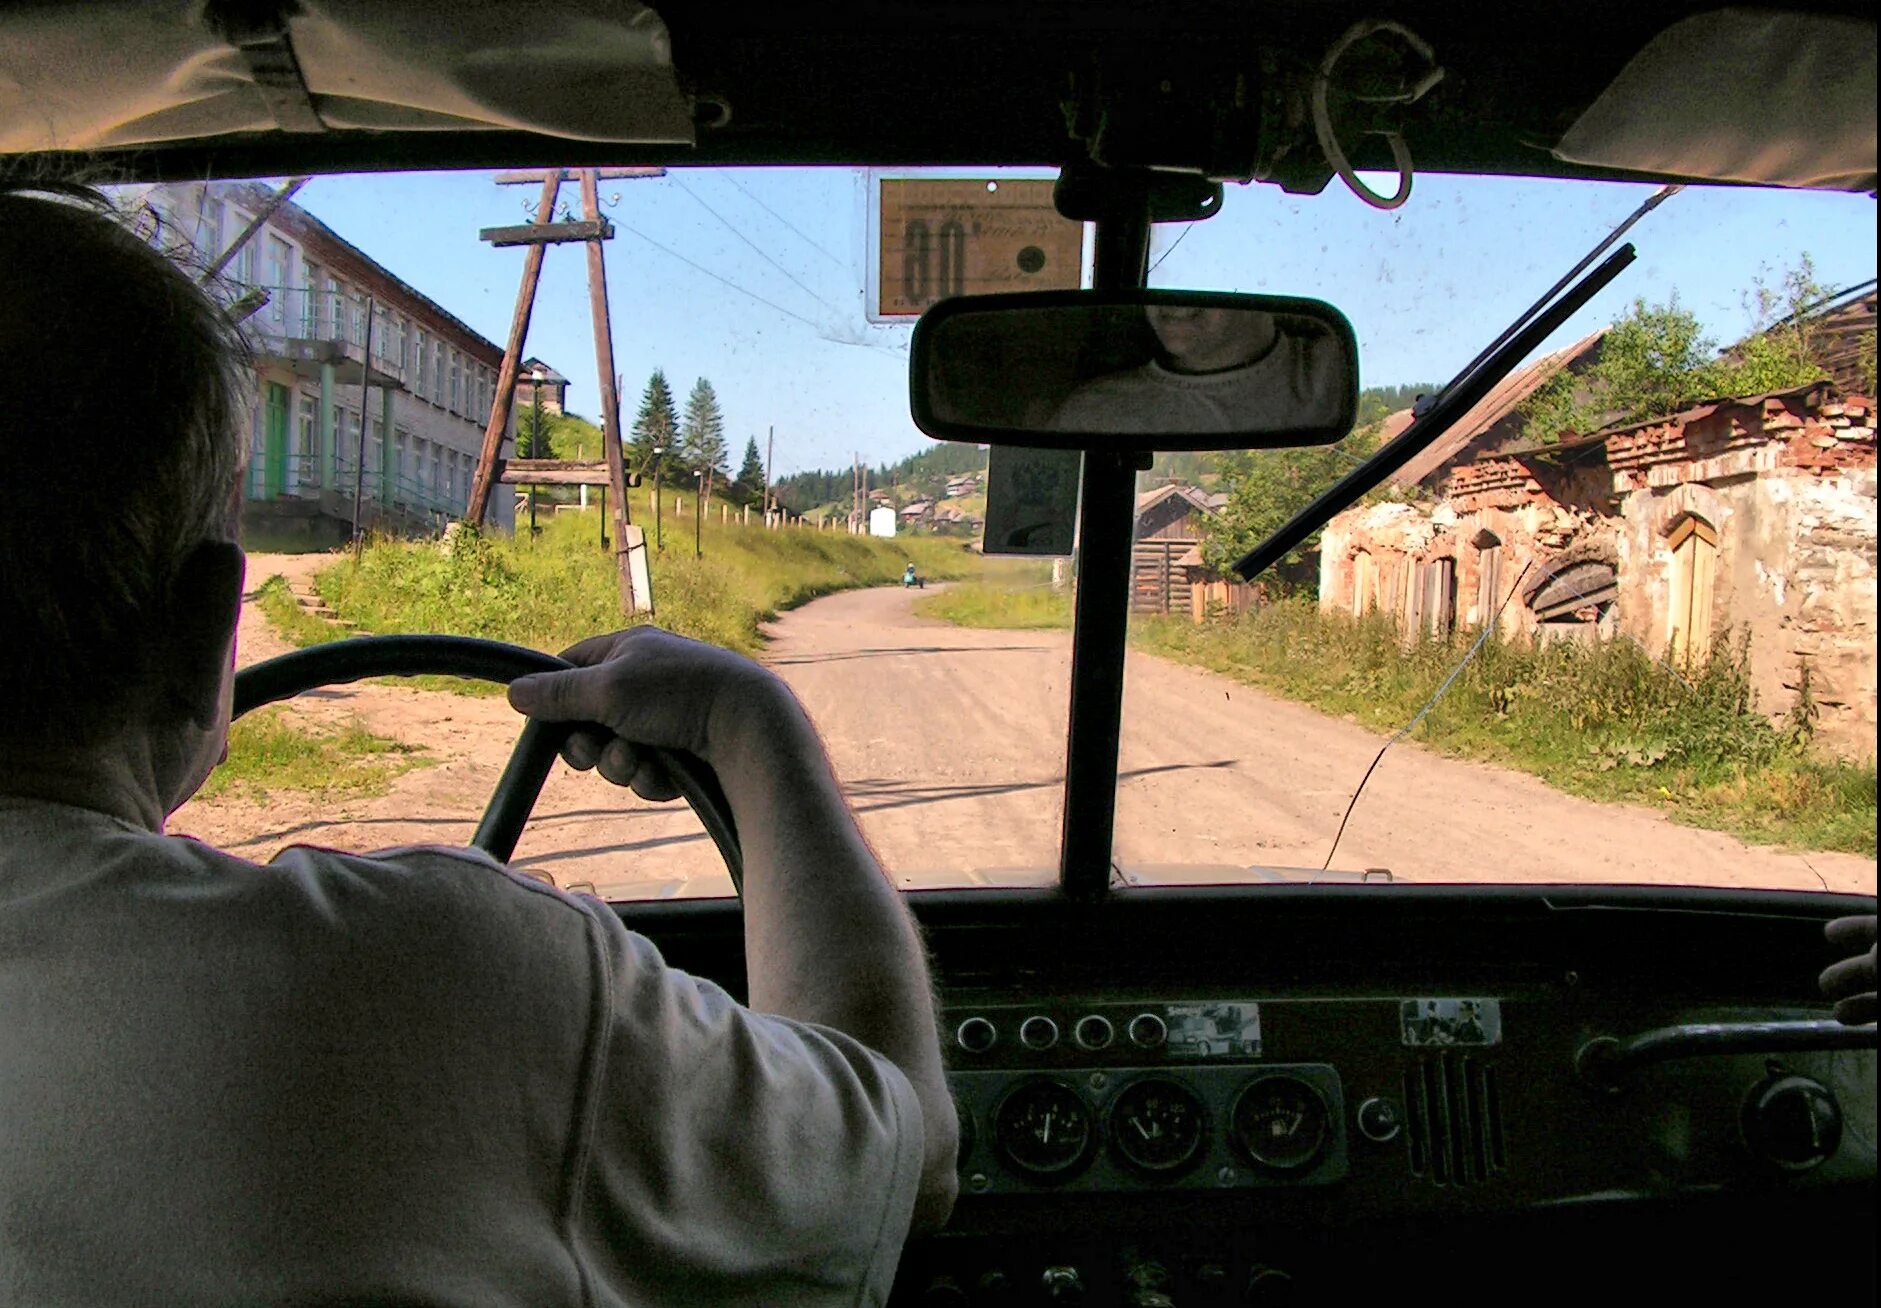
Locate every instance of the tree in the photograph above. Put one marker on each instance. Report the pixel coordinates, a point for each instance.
(533, 435)
(702, 433)
(1267, 487)
(749, 488)
(1657, 360)
(657, 423)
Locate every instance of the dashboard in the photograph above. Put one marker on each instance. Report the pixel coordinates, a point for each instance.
(1214, 1096)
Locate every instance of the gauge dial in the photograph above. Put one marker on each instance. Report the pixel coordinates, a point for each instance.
(1158, 1125)
(1044, 1130)
(1280, 1122)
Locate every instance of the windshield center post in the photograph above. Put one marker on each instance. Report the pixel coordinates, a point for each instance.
(1123, 203)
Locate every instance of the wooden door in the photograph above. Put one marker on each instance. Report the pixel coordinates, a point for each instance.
(274, 443)
(1694, 545)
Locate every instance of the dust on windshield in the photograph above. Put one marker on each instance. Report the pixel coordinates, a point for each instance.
(1667, 602)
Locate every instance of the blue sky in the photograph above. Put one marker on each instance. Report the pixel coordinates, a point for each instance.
(754, 278)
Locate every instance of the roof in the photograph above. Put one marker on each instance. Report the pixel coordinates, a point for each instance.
(1200, 499)
(527, 372)
(327, 243)
(1501, 402)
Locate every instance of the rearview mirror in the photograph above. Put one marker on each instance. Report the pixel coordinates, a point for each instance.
(1160, 370)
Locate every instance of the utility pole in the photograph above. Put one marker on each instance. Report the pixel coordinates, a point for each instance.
(255, 224)
(538, 235)
(770, 454)
(359, 469)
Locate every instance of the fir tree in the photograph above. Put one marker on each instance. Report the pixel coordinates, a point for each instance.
(702, 433)
(750, 484)
(657, 423)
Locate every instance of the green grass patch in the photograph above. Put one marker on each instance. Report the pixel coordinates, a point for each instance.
(1603, 721)
(1027, 607)
(552, 590)
(270, 751)
(278, 605)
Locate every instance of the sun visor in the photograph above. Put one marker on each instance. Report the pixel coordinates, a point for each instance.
(1741, 95)
(120, 73)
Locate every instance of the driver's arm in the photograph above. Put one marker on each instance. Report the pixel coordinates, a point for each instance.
(827, 938)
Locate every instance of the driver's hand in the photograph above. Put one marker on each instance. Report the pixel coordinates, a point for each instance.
(1851, 982)
(643, 686)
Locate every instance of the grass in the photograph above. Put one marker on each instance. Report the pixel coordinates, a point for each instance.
(987, 604)
(553, 590)
(270, 751)
(278, 605)
(1605, 722)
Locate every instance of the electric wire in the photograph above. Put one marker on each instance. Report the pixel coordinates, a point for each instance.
(787, 223)
(756, 248)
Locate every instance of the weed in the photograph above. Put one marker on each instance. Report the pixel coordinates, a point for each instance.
(270, 750)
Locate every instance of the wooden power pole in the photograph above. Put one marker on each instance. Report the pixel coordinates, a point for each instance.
(538, 236)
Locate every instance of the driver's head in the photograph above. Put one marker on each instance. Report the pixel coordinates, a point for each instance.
(1197, 339)
(119, 575)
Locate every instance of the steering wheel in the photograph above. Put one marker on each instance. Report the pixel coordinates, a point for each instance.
(516, 791)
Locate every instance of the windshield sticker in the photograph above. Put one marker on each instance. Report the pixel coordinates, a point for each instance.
(1214, 1030)
(1436, 1023)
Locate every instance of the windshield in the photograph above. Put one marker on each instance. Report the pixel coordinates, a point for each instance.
(1666, 604)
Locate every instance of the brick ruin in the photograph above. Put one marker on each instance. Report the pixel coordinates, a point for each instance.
(1753, 513)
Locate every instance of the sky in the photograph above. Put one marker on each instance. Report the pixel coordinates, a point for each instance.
(754, 278)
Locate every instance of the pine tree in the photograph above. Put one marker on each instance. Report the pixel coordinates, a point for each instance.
(657, 423)
(750, 484)
(533, 442)
(702, 434)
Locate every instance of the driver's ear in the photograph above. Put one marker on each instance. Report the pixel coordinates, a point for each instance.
(205, 604)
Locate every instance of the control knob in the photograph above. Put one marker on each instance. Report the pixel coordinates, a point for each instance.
(1791, 1122)
(1062, 1285)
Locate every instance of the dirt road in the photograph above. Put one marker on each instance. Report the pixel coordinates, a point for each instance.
(950, 742)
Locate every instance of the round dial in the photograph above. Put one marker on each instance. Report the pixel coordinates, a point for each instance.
(1158, 1125)
(1043, 1129)
(1280, 1122)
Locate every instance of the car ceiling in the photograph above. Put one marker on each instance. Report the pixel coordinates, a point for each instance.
(181, 88)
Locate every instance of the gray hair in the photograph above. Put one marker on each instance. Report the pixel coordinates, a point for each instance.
(125, 435)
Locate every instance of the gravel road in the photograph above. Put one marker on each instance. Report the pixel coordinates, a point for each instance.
(950, 742)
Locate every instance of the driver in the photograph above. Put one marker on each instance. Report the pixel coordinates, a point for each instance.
(413, 1076)
(1217, 370)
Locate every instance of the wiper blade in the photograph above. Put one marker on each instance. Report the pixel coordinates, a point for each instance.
(1454, 401)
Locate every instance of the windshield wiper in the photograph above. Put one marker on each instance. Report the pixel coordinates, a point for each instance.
(1442, 413)
(1479, 376)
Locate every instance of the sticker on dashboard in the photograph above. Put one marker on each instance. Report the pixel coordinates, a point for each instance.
(1450, 1023)
(1213, 1030)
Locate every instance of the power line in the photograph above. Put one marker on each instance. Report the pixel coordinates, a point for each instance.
(792, 226)
(723, 281)
(760, 251)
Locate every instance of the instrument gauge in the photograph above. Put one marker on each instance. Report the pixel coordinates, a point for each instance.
(1158, 1126)
(1044, 1130)
(1280, 1122)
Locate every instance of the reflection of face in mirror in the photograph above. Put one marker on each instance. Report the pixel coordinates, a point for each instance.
(1219, 370)
(1210, 340)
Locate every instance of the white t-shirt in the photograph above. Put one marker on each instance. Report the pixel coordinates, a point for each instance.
(1297, 383)
(409, 1078)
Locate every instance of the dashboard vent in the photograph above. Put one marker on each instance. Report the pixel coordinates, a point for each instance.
(1454, 1124)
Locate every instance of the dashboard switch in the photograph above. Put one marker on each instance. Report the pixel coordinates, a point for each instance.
(1792, 1122)
(1062, 1285)
(1038, 1032)
(976, 1035)
(1093, 1031)
(1379, 1120)
(1148, 1031)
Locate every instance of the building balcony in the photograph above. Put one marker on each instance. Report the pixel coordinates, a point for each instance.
(305, 356)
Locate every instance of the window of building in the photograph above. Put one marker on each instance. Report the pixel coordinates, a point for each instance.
(310, 301)
(208, 234)
(456, 400)
(356, 319)
(333, 317)
(437, 373)
(1574, 599)
(304, 467)
(1694, 545)
(421, 359)
(401, 453)
(280, 275)
(247, 259)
